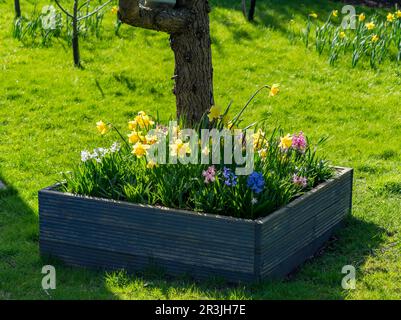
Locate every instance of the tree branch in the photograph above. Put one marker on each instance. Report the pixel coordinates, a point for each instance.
(95, 11)
(160, 19)
(62, 9)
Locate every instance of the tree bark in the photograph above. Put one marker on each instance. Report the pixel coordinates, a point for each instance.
(188, 26)
(17, 8)
(193, 65)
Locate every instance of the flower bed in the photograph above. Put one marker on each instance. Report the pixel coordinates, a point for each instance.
(193, 169)
(210, 200)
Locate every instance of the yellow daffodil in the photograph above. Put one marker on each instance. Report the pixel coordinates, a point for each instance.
(361, 17)
(206, 151)
(151, 139)
(142, 120)
(214, 113)
(179, 148)
(135, 136)
(370, 25)
(375, 38)
(258, 140)
(151, 164)
(102, 127)
(398, 14)
(285, 142)
(313, 15)
(335, 13)
(132, 125)
(263, 153)
(390, 17)
(274, 90)
(342, 35)
(114, 10)
(140, 149)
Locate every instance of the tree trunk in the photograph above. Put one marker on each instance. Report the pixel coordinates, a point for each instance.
(188, 26)
(252, 10)
(193, 65)
(17, 8)
(251, 13)
(75, 36)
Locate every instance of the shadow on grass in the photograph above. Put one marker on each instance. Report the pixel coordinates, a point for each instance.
(21, 263)
(277, 14)
(318, 278)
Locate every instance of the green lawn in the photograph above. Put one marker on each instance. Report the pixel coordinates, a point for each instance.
(48, 111)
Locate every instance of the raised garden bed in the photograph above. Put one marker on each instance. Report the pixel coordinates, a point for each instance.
(106, 234)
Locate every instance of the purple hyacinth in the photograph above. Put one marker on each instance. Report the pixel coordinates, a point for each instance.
(299, 181)
(256, 182)
(209, 174)
(299, 142)
(230, 177)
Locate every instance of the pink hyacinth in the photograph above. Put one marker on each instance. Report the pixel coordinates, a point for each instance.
(209, 174)
(299, 181)
(299, 142)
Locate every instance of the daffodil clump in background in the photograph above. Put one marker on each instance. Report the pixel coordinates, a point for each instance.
(375, 38)
(285, 166)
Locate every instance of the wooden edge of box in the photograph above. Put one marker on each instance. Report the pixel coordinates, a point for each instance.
(341, 171)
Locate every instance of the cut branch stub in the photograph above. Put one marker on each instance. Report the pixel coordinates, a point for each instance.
(161, 19)
(188, 26)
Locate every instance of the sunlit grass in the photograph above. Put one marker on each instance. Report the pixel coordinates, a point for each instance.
(48, 110)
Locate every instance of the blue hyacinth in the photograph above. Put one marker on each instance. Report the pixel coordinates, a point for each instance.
(256, 182)
(230, 177)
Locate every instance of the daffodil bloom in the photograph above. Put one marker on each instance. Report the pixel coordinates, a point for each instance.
(102, 127)
(179, 148)
(206, 151)
(140, 149)
(151, 164)
(313, 15)
(151, 139)
(132, 125)
(135, 136)
(285, 142)
(361, 17)
(263, 153)
(274, 90)
(370, 25)
(390, 17)
(375, 38)
(143, 120)
(214, 113)
(258, 139)
(114, 10)
(398, 14)
(335, 13)
(342, 35)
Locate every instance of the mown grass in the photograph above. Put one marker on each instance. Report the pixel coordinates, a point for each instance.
(47, 115)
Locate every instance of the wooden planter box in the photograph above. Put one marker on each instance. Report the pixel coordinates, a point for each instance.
(100, 233)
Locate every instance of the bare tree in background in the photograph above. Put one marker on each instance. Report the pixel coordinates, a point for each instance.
(76, 18)
(17, 8)
(248, 8)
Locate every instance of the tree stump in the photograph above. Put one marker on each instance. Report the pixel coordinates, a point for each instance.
(188, 26)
